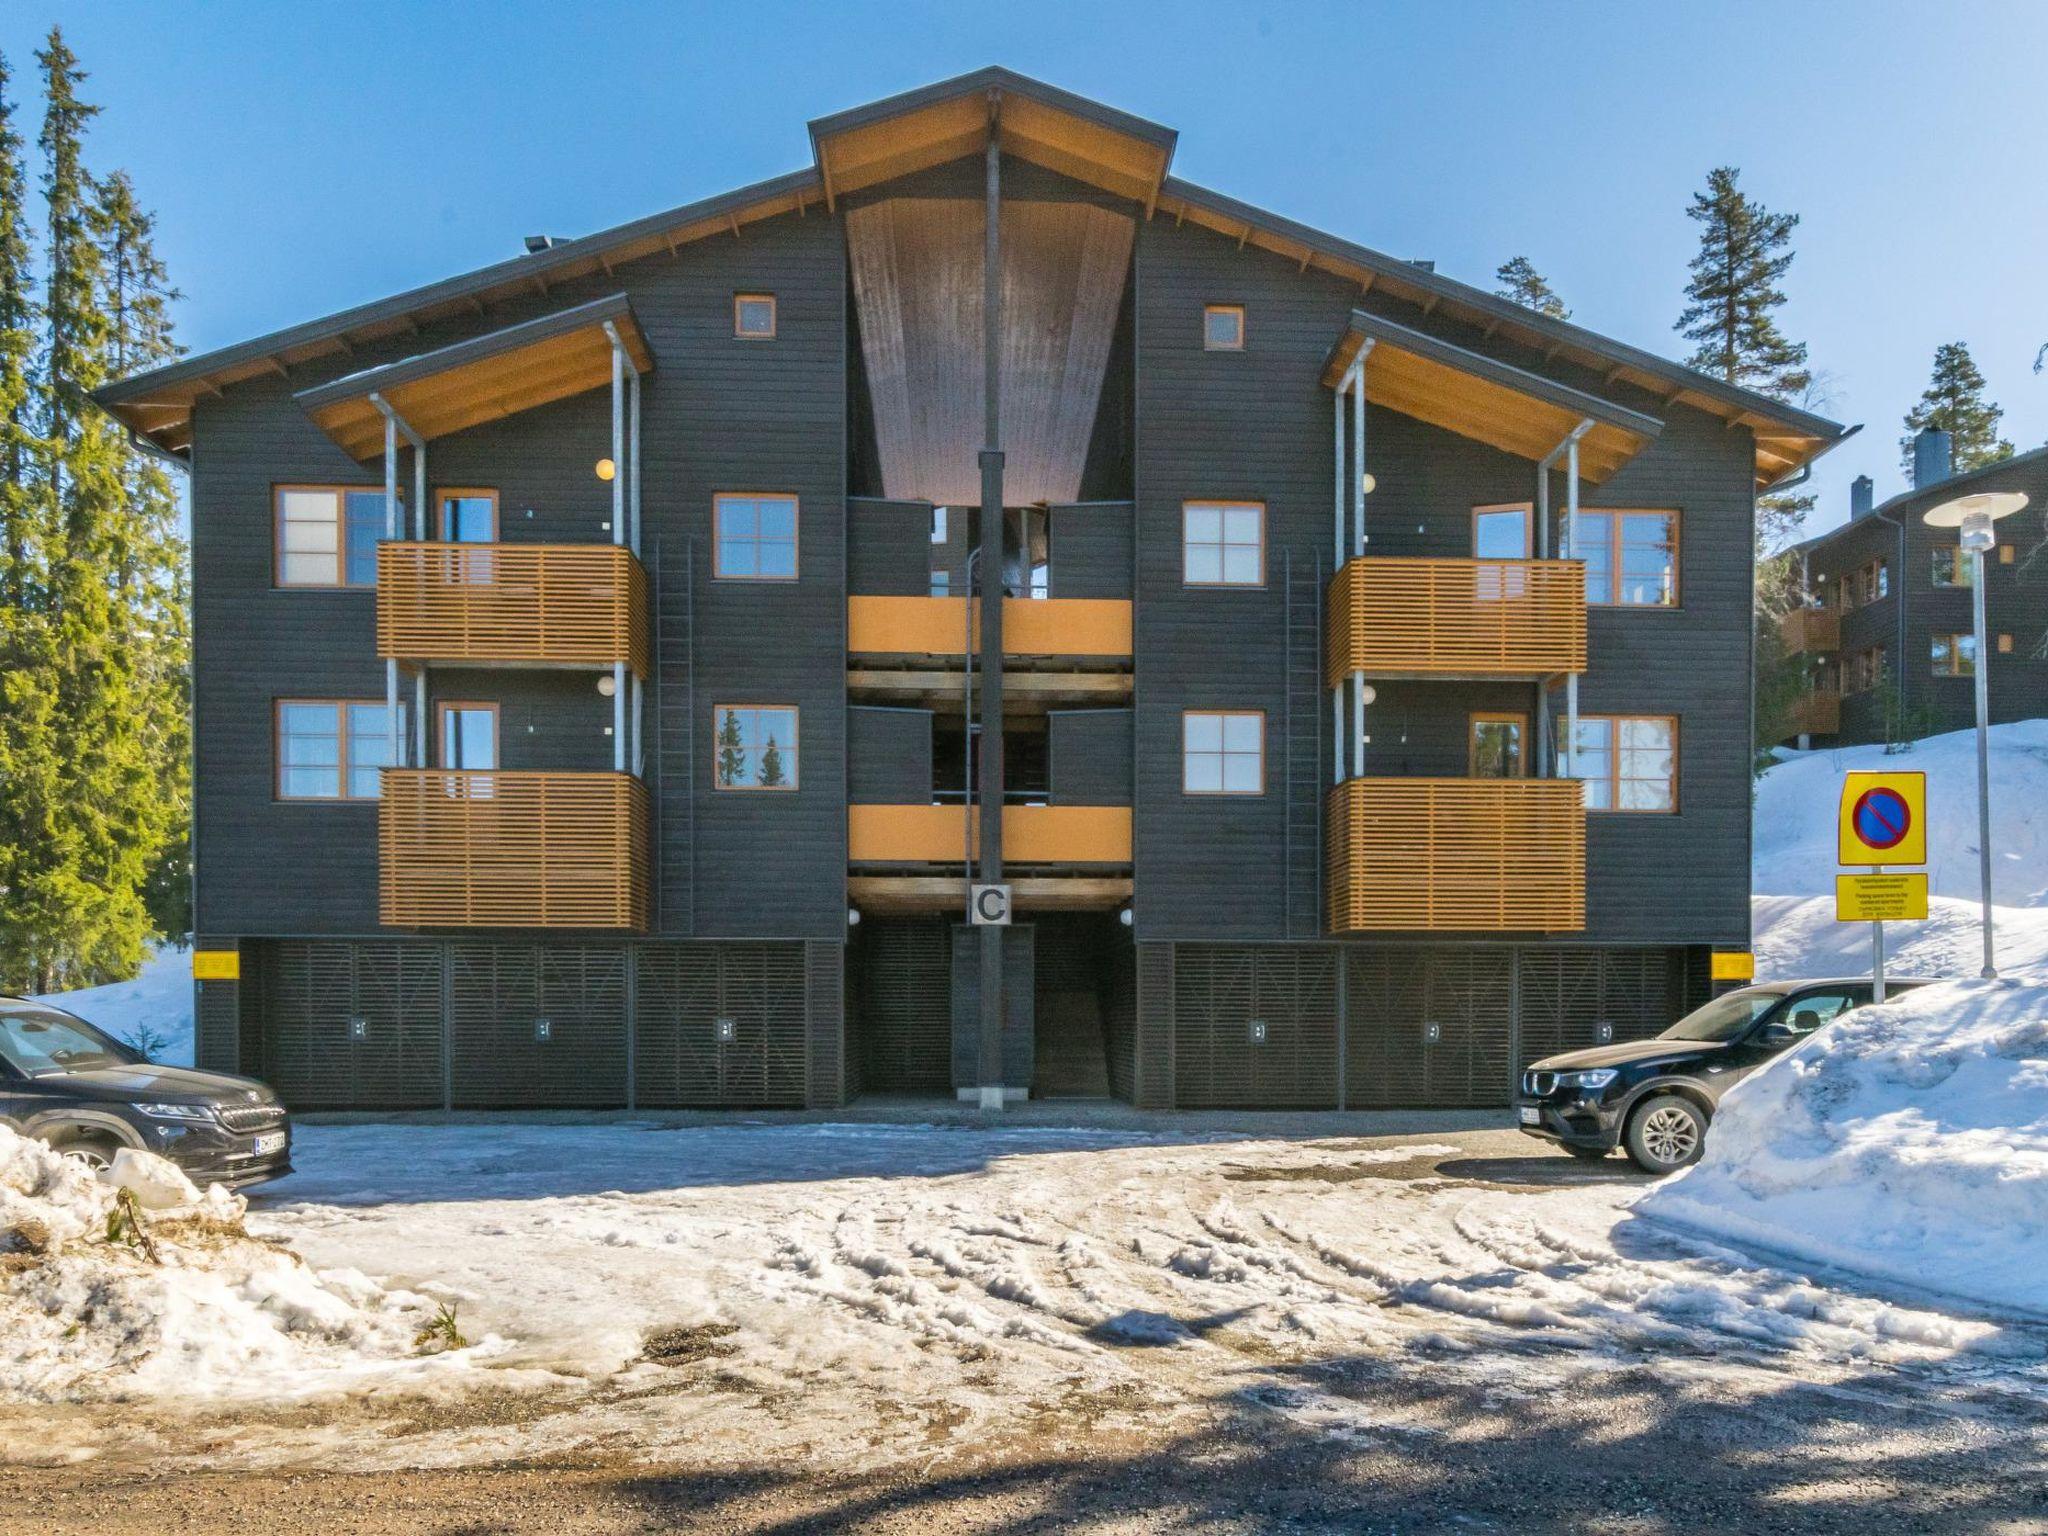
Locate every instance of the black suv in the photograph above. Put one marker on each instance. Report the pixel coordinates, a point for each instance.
(85, 1093)
(1655, 1097)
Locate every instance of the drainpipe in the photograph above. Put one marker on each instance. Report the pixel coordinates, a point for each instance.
(1570, 447)
(620, 693)
(393, 425)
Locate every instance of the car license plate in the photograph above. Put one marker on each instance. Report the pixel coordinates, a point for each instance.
(269, 1142)
(1531, 1115)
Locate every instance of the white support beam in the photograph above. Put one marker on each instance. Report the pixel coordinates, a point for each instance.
(619, 467)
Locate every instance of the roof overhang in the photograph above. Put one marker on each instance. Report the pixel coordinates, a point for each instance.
(1037, 122)
(1491, 402)
(471, 382)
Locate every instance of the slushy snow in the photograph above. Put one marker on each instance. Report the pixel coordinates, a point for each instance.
(88, 1313)
(153, 1008)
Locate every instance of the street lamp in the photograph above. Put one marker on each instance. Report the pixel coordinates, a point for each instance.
(1973, 517)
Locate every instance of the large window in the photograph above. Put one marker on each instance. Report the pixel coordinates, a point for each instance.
(1952, 568)
(332, 749)
(754, 537)
(754, 746)
(1501, 533)
(327, 535)
(1223, 752)
(1628, 762)
(1223, 543)
(1631, 558)
(1955, 655)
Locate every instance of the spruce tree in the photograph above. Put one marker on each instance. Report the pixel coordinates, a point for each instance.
(732, 755)
(771, 766)
(1954, 403)
(21, 513)
(1731, 315)
(1523, 284)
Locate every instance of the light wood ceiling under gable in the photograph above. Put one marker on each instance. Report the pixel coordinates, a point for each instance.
(917, 280)
(1490, 402)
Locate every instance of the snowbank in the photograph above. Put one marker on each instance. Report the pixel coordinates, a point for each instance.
(164, 1294)
(1793, 908)
(1907, 1142)
(153, 1012)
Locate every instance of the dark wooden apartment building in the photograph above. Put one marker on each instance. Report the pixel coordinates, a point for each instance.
(1885, 641)
(614, 665)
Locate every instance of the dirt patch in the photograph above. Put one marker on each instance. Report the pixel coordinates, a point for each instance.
(681, 1346)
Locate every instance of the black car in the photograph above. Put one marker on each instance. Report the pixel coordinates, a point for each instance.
(85, 1093)
(1655, 1097)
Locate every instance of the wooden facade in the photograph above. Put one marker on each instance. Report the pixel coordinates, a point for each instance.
(647, 912)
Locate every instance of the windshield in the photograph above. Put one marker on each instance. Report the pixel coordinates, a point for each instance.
(1726, 1016)
(40, 1041)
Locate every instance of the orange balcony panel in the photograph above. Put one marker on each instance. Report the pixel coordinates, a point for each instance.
(1811, 629)
(1817, 713)
(1401, 617)
(1456, 855)
(949, 834)
(537, 604)
(513, 850)
(938, 626)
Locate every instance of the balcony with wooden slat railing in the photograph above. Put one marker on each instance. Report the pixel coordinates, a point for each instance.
(1811, 630)
(940, 626)
(947, 834)
(1412, 617)
(1817, 712)
(531, 604)
(491, 849)
(1456, 856)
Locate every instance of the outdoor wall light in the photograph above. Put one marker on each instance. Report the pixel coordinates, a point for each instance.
(606, 469)
(1124, 917)
(607, 684)
(1368, 694)
(1367, 483)
(853, 917)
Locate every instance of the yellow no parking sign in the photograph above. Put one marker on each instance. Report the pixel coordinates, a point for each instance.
(1883, 819)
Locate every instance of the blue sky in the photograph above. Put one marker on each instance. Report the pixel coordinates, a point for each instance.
(302, 158)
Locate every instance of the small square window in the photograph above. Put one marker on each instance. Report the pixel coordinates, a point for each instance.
(2005, 554)
(753, 316)
(1223, 543)
(2005, 645)
(753, 537)
(1223, 328)
(754, 746)
(1223, 752)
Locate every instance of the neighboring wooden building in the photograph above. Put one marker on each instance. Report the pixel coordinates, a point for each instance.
(678, 800)
(1886, 638)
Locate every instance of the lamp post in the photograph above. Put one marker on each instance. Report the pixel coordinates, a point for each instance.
(1973, 517)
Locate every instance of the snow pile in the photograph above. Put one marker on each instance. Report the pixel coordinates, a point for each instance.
(1793, 909)
(1907, 1142)
(133, 1283)
(153, 1012)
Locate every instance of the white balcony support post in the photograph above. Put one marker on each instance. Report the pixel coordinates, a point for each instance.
(419, 718)
(619, 470)
(1337, 459)
(1571, 534)
(1358, 535)
(618, 717)
(1358, 725)
(633, 454)
(390, 532)
(1337, 734)
(639, 712)
(419, 490)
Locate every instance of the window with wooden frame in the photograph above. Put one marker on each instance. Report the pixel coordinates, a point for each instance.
(753, 316)
(1863, 670)
(1502, 532)
(1223, 543)
(1954, 655)
(1628, 763)
(468, 735)
(466, 515)
(1223, 752)
(753, 537)
(1223, 328)
(2005, 554)
(332, 749)
(1499, 745)
(1631, 557)
(1953, 568)
(754, 746)
(326, 535)
(2005, 645)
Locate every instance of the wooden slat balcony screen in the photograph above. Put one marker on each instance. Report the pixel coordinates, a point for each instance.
(1817, 713)
(1811, 629)
(938, 626)
(512, 850)
(1390, 617)
(1456, 855)
(573, 604)
(947, 834)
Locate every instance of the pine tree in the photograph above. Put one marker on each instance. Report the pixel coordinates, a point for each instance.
(732, 754)
(771, 765)
(1523, 284)
(1954, 403)
(21, 513)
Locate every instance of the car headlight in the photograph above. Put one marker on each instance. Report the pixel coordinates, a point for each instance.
(1590, 1082)
(194, 1114)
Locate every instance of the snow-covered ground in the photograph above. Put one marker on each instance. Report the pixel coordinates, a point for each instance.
(154, 1009)
(1793, 884)
(1908, 1141)
(869, 1295)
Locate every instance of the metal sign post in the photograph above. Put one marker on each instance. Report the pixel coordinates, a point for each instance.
(1877, 953)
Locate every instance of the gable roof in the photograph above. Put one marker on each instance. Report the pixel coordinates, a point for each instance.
(1070, 134)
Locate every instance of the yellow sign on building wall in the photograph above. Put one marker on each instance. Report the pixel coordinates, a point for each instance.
(216, 965)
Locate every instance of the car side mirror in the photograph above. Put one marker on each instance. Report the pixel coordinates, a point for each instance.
(1777, 1034)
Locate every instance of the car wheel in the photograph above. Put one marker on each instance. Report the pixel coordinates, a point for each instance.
(1590, 1154)
(1666, 1133)
(96, 1152)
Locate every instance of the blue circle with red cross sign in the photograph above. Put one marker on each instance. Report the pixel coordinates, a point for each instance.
(1881, 817)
